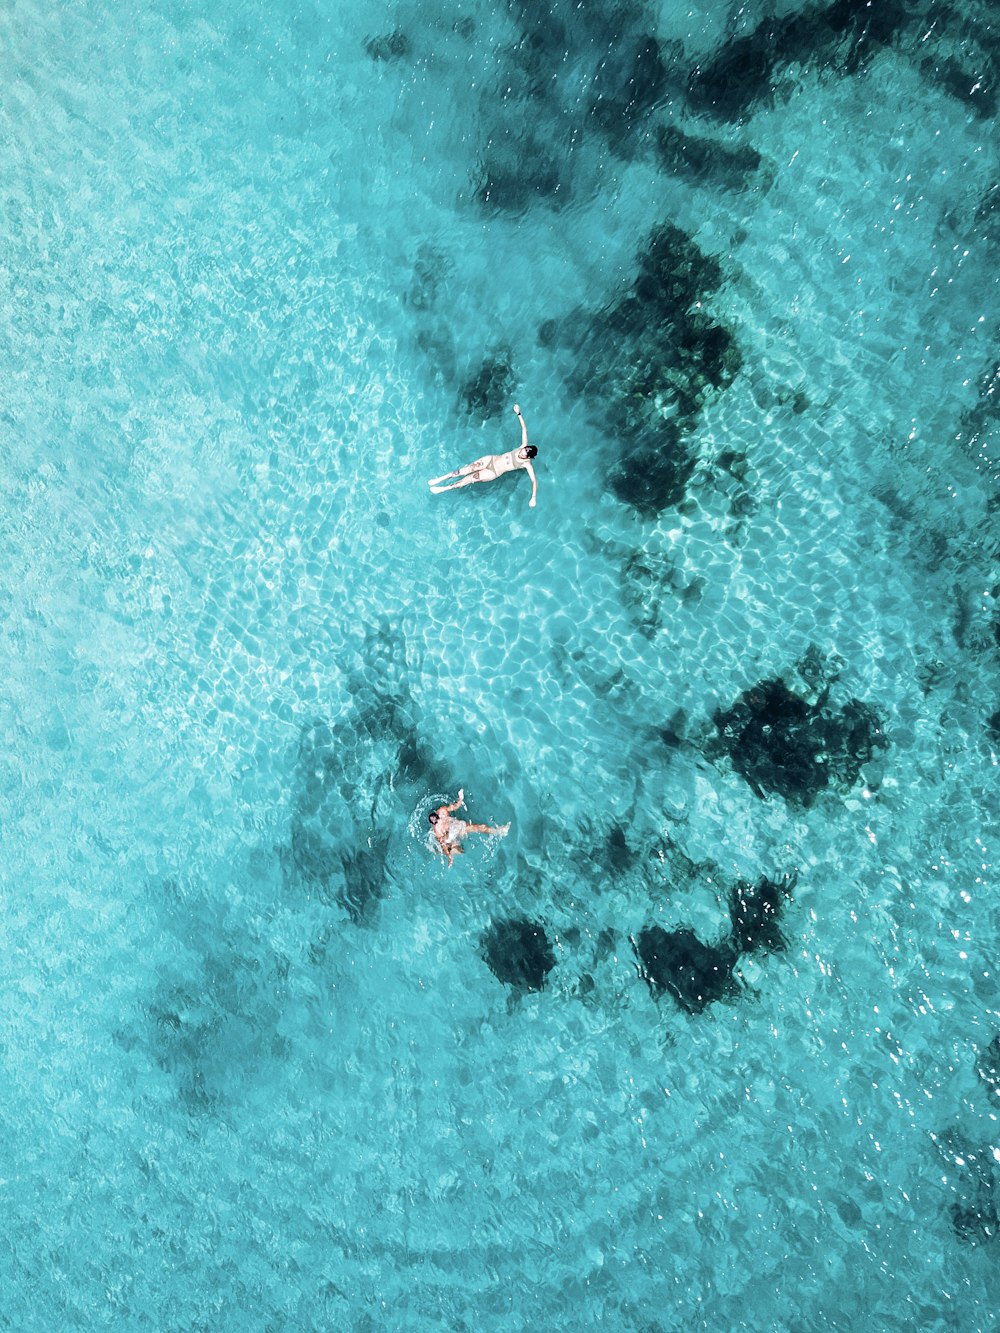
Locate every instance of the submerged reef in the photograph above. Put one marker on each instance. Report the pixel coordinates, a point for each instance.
(649, 363)
(518, 953)
(988, 1067)
(706, 160)
(979, 428)
(487, 393)
(517, 170)
(678, 962)
(576, 71)
(651, 585)
(958, 56)
(211, 1017)
(780, 742)
(389, 46)
(755, 910)
(432, 269)
(697, 974)
(629, 81)
(972, 1177)
(744, 71)
(349, 775)
(335, 849)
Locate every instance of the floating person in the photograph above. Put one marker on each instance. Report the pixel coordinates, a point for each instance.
(492, 466)
(450, 832)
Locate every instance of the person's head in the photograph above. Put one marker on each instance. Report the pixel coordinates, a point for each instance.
(528, 451)
(433, 816)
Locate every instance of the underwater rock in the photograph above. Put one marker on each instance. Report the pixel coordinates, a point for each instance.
(438, 344)
(755, 910)
(988, 1066)
(706, 160)
(349, 777)
(648, 363)
(841, 36)
(618, 856)
(185, 1026)
(734, 463)
(737, 77)
(695, 974)
(518, 953)
(606, 855)
(973, 1178)
(430, 269)
(650, 581)
(629, 81)
(389, 46)
(339, 864)
(214, 1022)
(988, 213)
(673, 274)
(976, 1222)
(975, 86)
(818, 670)
(515, 171)
(365, 883)
(779, 742)
(651, 479)
(487, 393)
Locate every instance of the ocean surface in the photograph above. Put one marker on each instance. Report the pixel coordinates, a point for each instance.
(709, 1039)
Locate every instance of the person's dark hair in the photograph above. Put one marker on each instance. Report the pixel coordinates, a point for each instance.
(433, 816)
(531, 451)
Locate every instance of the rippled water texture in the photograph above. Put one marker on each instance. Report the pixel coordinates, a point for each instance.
(710, 1039)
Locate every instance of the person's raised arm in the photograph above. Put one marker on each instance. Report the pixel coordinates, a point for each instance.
(524, 428)
(460, 802)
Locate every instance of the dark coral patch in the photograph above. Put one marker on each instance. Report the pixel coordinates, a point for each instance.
(755, 910)
(972, 1178)
(518, 953)
(389, 46)
(673, 273)
(652, 477)
(677, 961)
(974, 84)
(649, 363)
(842, 37)
(706, 160)
(976, 1222)
(349, 776)
(516, 171)
(988, 1066)
(430, 269)
(779, 742)
(629, 81)
(486, 393)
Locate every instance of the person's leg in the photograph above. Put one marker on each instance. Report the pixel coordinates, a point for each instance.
(462, 471)
(498, 830)
(456, 485)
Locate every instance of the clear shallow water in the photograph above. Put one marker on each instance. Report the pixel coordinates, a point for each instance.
(245, 276)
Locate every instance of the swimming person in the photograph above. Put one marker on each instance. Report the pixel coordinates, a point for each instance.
(494, 465)
(450, 832)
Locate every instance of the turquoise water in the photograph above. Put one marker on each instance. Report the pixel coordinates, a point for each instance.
(254, 260)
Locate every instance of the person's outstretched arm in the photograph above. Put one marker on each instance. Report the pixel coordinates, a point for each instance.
(524, 428)
(534, 484)
(460, 802)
